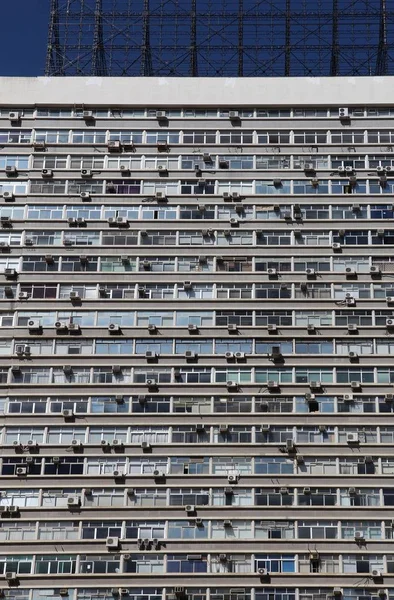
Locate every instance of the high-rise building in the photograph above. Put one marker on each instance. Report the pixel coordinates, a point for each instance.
(197, 318)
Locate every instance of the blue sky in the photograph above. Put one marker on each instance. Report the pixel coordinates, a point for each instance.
(24, 26)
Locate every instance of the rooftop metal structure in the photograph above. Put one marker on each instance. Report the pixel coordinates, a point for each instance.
(221, 38)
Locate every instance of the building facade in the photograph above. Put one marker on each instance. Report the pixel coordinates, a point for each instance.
(197, 292)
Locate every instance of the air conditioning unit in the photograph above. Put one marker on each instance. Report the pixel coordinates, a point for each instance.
(315, 385)
(76, 443)
(189, 354)
(33, 325)
(239, 355)
(389, 322)
(74, 328)
(75, 296)
(310, 272)
(114, 328)
(348, 397)
(290, 446)
(389, 397)
(86, 173)
(23, 296)
(233, 115)
(149, 354)
(337, 591)
(272, 328)
(359, 535)
(350, 271)
(124, 169)
(380, 232)
(146, 446)
(276, 352)
(88, 115)
(309, 167)
(352, 438)
(85, 195)
(68, 414)
(161, 115)
(352, 327)
(190, 508)
(389, 299)
(265, 428)
(206, 157)
(343, 113)
(63, 592)
(121, 221)
(234, 222)
(31, 444)
(163, 170)
(233, 478)
(47, 173)
(232, 328)
(10, 273)
(272, 384)
(310, 397)
(118, 474)
(151, 383)
(14, 116)
(336, 246)
(353, 355)
(11, 576)
(158, 474)
(11, 170)
(8, 195)
(227, 196)
(112, 543)
(61, 326)
(376, 573)
(192, 327)
(355, 385)
(117, 443)
(21, 470)
(311, 328)
(73, 501)
(375, 270)
(272, 272)
(232, 385)
(67, 370)
(263, 572)
(114, 146)
(152, 328)
(229, 355)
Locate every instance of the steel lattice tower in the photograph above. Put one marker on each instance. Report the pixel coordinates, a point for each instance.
(221, 38)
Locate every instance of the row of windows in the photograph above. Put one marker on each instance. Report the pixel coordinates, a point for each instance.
(200, 405)
(207, 237)
(196, 593)
(206, 291)
(156, 564)
(204, 212)
(202, 263)
(152, 376)
(129, 112)
(149, 498)
(179, 318)
(196, 162)
(212, 137)
(268, 187)
(204, 529)
(218, 346)
(202, 433)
